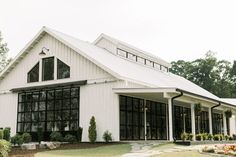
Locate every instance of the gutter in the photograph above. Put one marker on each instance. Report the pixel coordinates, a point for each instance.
(218, 101)
(172, 107)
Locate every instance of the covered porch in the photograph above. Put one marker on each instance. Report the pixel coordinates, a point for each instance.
(165, 113)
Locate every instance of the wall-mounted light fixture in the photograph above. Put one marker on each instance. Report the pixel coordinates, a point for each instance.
(42, 53)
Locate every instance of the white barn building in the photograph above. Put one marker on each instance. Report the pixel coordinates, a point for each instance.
(60, 82)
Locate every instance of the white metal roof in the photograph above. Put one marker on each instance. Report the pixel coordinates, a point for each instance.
(123, 69)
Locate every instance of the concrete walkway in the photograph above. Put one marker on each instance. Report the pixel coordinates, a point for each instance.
(145, 149)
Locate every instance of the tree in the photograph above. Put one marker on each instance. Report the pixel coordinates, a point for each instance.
(218, 77)
(3, 54)
(92, 130)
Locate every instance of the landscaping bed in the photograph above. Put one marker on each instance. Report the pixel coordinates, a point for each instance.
(18, 152)
(188, 143)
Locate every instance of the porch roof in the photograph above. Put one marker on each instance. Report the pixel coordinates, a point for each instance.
(227, 102)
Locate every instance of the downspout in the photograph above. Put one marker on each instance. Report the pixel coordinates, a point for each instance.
(172, 107)
(212, 114)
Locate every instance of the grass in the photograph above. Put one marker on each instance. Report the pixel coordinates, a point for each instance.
(182, 154)
(103, 151)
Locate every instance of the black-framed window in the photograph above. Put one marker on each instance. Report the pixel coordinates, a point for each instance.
(217, 121)
(182, 120)
(63, 70)
(55, 109)
(48, 69)
(202, 122)
(132, 119)
(33, 74)
(156, 120)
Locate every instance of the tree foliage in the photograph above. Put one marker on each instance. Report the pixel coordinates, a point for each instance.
(3, 54)
(216, 76)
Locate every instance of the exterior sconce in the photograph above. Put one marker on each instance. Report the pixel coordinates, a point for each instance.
(42, 53)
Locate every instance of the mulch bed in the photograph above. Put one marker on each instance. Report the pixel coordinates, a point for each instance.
(18, 152)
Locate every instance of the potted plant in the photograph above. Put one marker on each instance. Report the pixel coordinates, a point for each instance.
(197, 108)
(183, 136)
(190, 136)
(228, 114)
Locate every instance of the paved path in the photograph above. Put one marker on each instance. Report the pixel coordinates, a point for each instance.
(145, 149)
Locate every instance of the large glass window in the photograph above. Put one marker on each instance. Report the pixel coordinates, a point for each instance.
(63, 70)
(48, 69)
(217, 121)
(132, 119)
(33, 74)
(182, 120)
(202, 122)
(52, 109)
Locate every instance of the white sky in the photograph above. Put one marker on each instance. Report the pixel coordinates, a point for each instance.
(170, 29)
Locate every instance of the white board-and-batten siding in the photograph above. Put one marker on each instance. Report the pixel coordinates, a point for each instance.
(96, 99)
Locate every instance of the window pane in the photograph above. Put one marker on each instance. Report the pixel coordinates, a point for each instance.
(50, 105)
(66, 104)
(63, 70)
(74, 92)
(48, 69)
(33, 74)
(50, 94)
(74, 103)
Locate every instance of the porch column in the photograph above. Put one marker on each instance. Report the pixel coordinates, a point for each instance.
(193, 121)
(145, 121)
(170, 120)
(224, 124)
(210, 121)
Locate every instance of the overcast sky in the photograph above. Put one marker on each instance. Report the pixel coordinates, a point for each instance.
(170, 29)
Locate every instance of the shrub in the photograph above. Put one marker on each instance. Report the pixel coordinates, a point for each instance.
(7, 133)
(210, 136)
(199, 137)
(231, 138)
(26, 137)
(1, 134)
(190, 136)
(221, 137)
(5, 147)
(226, 137)
(40, 134)
(92, 130)
(205, 136)
(79, 134)
(216, 137)
(56, 136)
(183, 136)
(70, 138)
(17, 139)
(107, 136)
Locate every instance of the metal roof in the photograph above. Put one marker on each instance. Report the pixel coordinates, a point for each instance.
(119, 67)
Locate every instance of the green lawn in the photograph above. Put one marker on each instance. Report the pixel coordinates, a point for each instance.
(103, 151)
(182, 154)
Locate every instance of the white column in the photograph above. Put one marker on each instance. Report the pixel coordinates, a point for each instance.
(193, 121)
(224, 124)
(210, 121)
(145, 121)
(170, 120)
